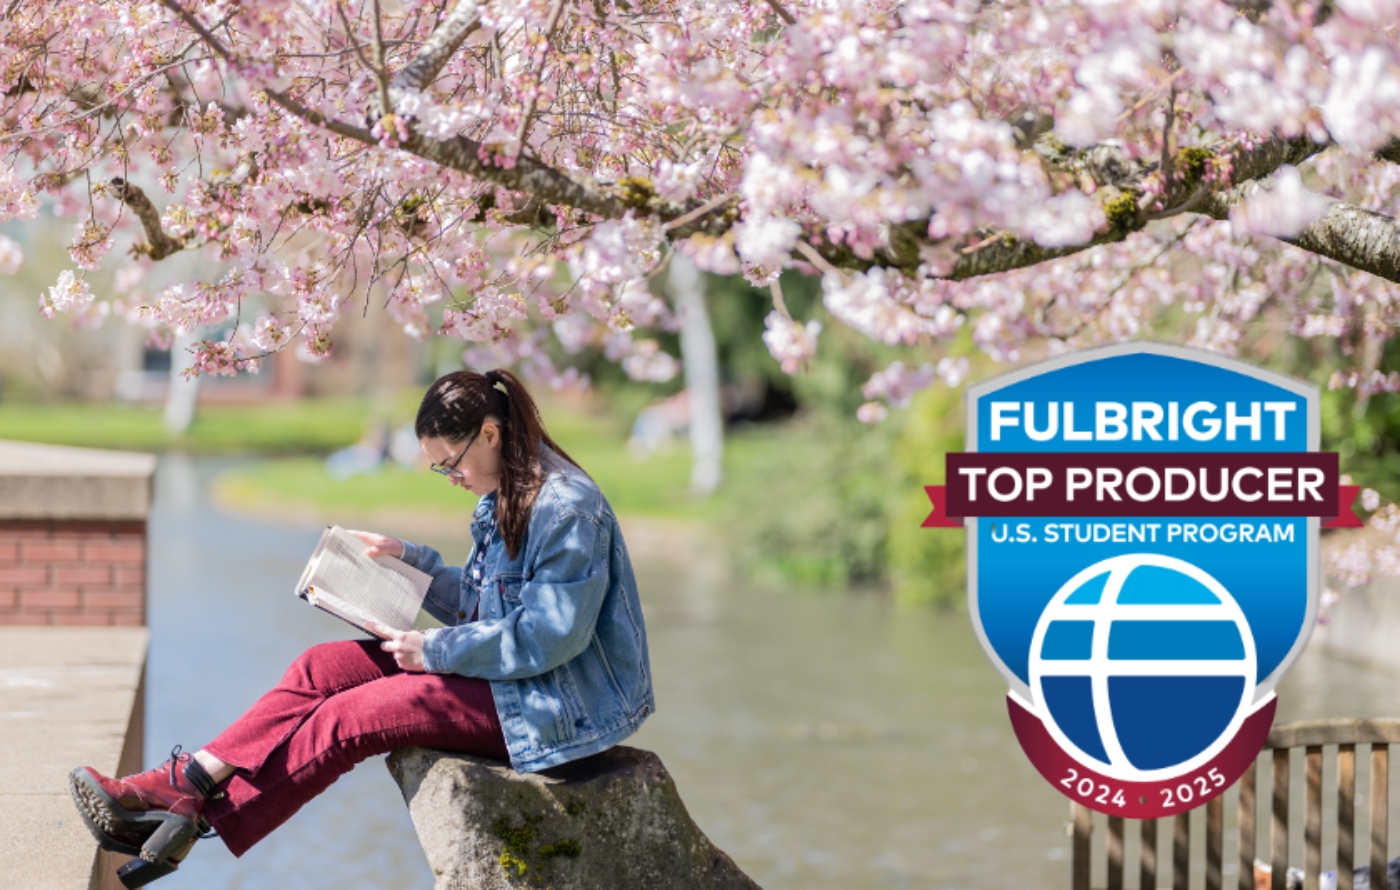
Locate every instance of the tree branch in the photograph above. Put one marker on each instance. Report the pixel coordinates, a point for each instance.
(309, 115)
(355, 43)
(1119, 195)
(440, 47)
(528, 114)
(527, 175)
(160, 244)
(1346, 233)
(781, 12)
(1349, 235)
(381, 72)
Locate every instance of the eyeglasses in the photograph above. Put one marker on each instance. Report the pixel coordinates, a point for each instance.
(450, 470)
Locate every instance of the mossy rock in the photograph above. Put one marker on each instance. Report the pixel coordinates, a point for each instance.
(612, 820)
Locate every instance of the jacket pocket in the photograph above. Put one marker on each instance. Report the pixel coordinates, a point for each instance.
(576, 715)
(509, 587)
(542, 707)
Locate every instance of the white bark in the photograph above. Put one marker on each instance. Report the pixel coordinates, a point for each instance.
(183, 394)
(701, 363)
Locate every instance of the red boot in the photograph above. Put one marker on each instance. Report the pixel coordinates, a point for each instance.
(157, 815)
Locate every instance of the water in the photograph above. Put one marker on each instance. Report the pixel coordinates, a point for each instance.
(224, 626)
(823, 741)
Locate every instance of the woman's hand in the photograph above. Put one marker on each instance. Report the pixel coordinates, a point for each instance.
(379, 545)
(407, 646)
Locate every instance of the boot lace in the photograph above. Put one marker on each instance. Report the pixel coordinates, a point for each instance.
(178, 755)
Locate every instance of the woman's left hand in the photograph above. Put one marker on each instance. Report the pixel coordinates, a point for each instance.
(407, 646)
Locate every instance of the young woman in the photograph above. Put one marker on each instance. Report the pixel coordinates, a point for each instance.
(543, 659)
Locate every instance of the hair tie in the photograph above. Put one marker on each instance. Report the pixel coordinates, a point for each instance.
(494, 378)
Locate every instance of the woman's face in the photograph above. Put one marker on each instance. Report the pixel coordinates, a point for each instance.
(473, 463)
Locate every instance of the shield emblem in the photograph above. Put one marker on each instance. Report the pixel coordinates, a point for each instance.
(1145, 606)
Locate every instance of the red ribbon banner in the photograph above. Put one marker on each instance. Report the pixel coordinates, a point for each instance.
(939, 518)
(1346, 508)
(1119, 484)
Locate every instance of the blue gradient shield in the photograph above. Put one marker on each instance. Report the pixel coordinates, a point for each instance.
(1142, 643)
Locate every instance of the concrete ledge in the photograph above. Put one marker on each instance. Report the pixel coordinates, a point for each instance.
(69, 696)
(57, 482)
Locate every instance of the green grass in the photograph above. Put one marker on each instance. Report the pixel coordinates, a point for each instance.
(658, 486)
(293, 436)
(316, 426)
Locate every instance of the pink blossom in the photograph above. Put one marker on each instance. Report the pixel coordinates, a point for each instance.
(648, 363)
(487, 317)
(270, 334)
(1362, 108)
(1282, 210)
(11, 256)
(1088, 116)
(906, 142)
(875, 303)
(791, 343)
(91, 242)
(767, 241)
(872, 412)
(897, 383)
(70, 294)
(677, 182)
(710, 254)
(1071, 218)
(620, 250)
(219, 360)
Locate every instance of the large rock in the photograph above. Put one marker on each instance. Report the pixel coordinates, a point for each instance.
(613, 821)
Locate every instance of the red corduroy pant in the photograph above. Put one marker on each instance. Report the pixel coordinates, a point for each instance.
(338, 704)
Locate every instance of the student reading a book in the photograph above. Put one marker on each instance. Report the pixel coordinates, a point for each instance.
(543, 658)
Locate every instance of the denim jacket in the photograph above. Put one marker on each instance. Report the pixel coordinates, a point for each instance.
(559, 632)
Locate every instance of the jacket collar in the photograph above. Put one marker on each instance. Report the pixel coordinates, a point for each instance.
(485, 507)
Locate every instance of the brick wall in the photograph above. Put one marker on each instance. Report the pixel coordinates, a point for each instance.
(72, 571)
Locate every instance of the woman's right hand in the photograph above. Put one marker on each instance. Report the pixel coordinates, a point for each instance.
(379, 545)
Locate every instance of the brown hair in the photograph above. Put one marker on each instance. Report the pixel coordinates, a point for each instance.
(454, 409)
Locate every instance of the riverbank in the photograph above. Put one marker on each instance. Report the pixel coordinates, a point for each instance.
(250, 493)
(293, 427)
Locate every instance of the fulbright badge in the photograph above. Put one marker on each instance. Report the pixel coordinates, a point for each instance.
(1142, 539)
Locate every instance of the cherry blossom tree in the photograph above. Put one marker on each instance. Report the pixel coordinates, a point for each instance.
(1043, 173)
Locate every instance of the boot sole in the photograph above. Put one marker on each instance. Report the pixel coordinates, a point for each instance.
(104, 817)
(161, 833)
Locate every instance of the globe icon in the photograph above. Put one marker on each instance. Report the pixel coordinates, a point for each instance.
(1144, 666)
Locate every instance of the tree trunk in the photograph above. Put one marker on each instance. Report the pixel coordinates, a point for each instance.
(184, 391)
(701, 363)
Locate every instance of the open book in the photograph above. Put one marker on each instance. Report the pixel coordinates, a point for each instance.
(341, 580)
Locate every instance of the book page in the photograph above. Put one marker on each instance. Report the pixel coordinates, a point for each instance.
(385, 589)
(305, 583)
(328, 602)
